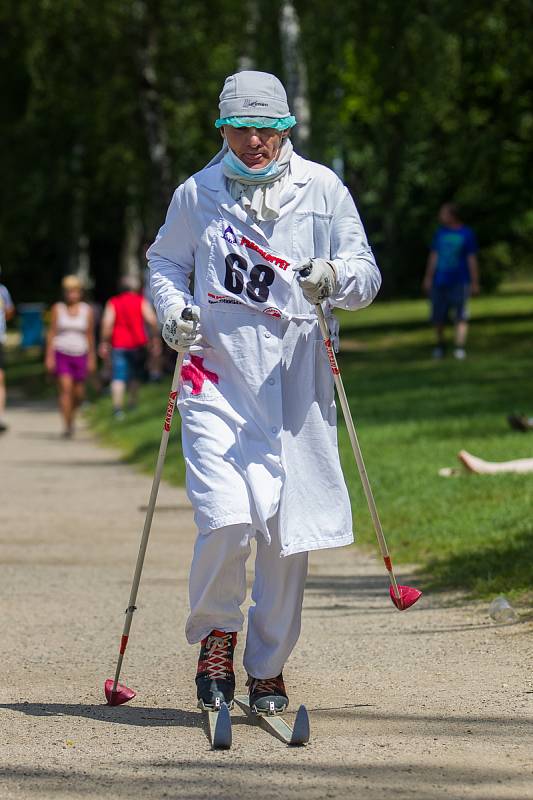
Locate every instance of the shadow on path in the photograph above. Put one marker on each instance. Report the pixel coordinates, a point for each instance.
(138, 716)
(142, 716)
(245, 777)
(123, 715)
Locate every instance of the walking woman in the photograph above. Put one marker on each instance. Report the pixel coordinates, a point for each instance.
(70, 350)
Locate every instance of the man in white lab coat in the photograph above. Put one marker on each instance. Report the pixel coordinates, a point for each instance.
(267, 235)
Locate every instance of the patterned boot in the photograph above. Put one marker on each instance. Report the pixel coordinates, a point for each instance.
(267, 695)
(215, 679)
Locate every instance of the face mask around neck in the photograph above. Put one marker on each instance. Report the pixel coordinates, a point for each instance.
(239, 168)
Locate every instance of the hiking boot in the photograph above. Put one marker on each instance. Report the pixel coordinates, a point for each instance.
(267, 695)
(215, 679)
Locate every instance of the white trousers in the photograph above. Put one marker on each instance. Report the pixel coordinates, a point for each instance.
(217, 589)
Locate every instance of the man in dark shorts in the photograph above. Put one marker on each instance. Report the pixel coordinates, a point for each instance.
(452, 275)
(126, 319)
(7, 310)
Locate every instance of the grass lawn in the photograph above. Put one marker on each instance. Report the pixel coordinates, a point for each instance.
(25, 373)
(413, 414)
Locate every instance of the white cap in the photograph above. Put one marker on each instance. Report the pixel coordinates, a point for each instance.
(253, 94)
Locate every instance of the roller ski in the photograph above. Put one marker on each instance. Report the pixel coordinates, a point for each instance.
(266, 701)
(215, 685)
(219, 722)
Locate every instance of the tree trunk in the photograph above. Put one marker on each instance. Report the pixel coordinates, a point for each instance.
(130, 262)
(295, 73)
(248, 57)
(161, 186)
(79, 262)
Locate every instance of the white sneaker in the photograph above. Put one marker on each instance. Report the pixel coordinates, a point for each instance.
(459, 353)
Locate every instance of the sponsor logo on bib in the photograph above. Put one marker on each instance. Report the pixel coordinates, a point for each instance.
(279, 262)
(223, 298)
(229, 235)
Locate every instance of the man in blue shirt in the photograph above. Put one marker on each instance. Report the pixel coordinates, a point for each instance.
(452, 275)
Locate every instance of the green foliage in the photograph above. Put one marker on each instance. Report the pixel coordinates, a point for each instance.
(413, 415)
(26, 375)
(110, 103)
(88, 84)
(425, 103)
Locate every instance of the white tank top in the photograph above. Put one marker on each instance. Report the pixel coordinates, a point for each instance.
(71, 331)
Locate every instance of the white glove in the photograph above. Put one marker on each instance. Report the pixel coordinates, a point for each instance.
(180, 328)
(317, 277)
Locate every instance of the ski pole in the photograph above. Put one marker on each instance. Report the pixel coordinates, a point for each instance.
(401, 596)
(116, 696)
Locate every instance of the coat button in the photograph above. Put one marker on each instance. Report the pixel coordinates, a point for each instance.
(267, 334)
(271, 381)
(274, 430)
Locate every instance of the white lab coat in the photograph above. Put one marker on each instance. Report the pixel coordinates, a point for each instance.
(257, 401)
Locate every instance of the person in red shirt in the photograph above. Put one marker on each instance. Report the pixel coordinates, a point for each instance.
(126, 319)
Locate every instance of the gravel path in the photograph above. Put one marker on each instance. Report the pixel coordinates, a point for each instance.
(433, 703)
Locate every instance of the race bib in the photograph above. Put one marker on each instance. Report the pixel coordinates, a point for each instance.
(244, 272)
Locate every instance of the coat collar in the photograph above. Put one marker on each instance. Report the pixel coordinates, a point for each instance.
(213, 180)
(300, 175)
(300, 172)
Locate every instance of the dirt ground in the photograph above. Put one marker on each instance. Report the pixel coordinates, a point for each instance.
(433, 703)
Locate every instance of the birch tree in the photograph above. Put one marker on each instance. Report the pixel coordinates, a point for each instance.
(295, 73)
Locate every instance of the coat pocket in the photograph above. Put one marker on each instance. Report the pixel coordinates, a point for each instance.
(311, 235)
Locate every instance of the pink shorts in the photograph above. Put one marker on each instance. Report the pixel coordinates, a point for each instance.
(75, 366)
